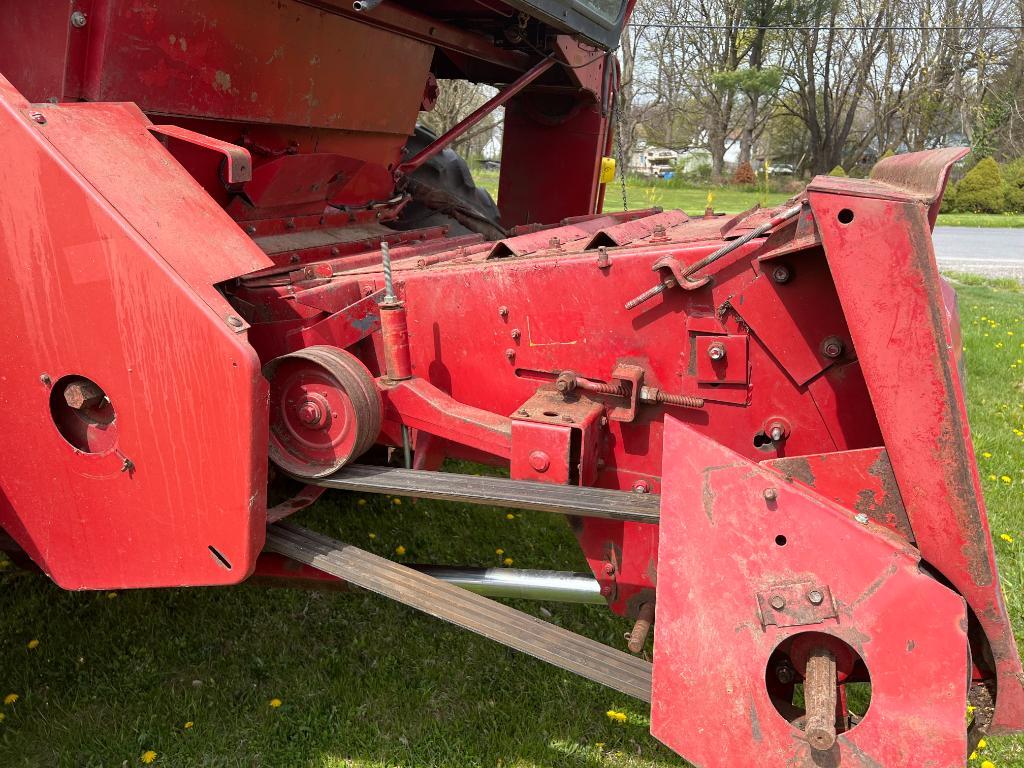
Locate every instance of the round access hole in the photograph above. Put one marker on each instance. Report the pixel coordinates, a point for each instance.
(787, 671)
(83, 414)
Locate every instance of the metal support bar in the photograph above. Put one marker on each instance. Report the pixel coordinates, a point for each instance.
(475, 117)
(515, 629)
(522, 584)
(498, 492)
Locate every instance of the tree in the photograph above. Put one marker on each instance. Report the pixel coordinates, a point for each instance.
(456, 100)
(981, 190)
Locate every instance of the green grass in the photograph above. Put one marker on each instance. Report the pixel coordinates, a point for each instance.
(366, 682)
(641, 193)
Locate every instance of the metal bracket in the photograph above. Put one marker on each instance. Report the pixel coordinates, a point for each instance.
(237, 160)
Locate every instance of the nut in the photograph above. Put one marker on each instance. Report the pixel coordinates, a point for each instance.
(716, 350)
(777, 602)
(503, 311)
(516, 333)
(770, 494)
(510, 354)
(861, 518)
(781, 274)
(78, 20)
(815, 597)
(82, 395)
(641, 486)
(832, 347)
(540, 461)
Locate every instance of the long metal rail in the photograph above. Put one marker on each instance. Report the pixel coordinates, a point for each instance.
(496, 491)
(493, 620)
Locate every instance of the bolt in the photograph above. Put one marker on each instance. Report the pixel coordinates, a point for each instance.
(510, 354)
(39, 117)
(234, 322)
(770, 494)
(716, 350)
(83, 395)
(777, 602)
(567, 418)
(781, 274)
(603, 261)
(78, 20)
(832, 347)
(641, 486)
(540, 461)
(609, 568)
(777, 434)
(815, 597)
(516, 334)
(503, 311)
(523, 412)
(606, 589)
(566, 382)
(861, 518)
(45, 379)
(604, 421)
(310, 415)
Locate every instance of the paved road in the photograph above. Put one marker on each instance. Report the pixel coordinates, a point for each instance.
(984, 251)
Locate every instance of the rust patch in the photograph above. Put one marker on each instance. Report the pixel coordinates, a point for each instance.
(796, 468)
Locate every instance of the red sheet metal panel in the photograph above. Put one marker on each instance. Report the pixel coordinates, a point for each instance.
(725, 543)
(174, 493)
(881, 258)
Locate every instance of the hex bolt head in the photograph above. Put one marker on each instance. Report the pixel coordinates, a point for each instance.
(777, 434)
(861, 518)
(38, 117)
(45, 379)
(815, 597)
(716, 350)
(510, 354)
(516, 334)
(770, 494)
(78, 20)
(781, 274)
(503, 311)
(310, 415)
(784, 673)
(609, 568)
(777, 602)
(234, 322)
(641, 486)
(832, 347)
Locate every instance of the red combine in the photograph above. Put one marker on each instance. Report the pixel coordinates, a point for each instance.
(227, 247)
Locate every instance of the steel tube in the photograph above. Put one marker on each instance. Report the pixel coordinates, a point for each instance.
(553, 586)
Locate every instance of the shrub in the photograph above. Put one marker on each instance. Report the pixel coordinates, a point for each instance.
(837, 171)
(949, 204)
(981, 190)
(1013, 176)
(744, 174)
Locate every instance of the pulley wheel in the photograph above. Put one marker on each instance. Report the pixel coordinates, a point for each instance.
(325, 410)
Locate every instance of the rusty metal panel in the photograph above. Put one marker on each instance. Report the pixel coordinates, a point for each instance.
(167, 484)
(892, 296)
(724, 543)
(793, 319)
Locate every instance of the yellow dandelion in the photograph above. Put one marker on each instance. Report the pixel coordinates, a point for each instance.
(510, 516)
(1007, 538)
(373, 535)
(987, 764)
(992, 477)
(111, 595)
(361, 502)
(275, 703)
(399, 550)
(10, 698)
(499, 551)
(2, 717)
(615, 716)
(1006, 479)
(508, 561)
(974, 756)
(188, 725)
(397, 502)
(982, 744)
(599, 744)
(148, 756)
(32, 645)
(987, 455)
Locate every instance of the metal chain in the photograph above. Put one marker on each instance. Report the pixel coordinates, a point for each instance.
(619, 146)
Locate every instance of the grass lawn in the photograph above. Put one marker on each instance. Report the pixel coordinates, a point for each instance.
(191, 673)
(729, 199)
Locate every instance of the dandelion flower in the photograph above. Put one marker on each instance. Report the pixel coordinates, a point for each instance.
(397, 502)
(10, 698)
(992, 477)
(361, 502)
(111, 595)
(33, 644)
(510, 516)
(987, 764)
(275, 703)
(399, 550)
(373, 535)
(987, 455)
(974, 756)
(616, 717)
(507, 561)
(1006, 479)
(1006, 537)
(982, 744)
(2, 717)
(499, 551)
(148, 756)
(189, 724)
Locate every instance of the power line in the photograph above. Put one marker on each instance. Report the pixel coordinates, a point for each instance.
(836, 28)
